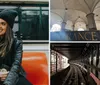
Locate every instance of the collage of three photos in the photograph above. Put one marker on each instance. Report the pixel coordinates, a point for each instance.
(49, 42)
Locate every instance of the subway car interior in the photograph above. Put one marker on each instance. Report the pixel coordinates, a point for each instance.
(32, 27)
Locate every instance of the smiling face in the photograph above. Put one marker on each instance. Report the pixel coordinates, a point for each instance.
(3, 27)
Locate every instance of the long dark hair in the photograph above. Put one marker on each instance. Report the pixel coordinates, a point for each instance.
(6, 42)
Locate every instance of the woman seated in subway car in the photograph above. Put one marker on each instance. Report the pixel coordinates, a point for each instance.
(11, 71)
(81, 67)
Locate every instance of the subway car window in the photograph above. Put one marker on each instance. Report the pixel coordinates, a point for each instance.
(32, 22)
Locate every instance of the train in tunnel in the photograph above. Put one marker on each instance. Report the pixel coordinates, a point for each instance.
(72, 63)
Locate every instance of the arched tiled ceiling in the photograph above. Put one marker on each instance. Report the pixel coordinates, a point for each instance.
(97, 15)
(56, 4)
(86, 6)
(55, 19)
(70, 15)
(80, 24)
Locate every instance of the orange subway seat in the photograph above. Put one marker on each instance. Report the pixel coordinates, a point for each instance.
(36, 67)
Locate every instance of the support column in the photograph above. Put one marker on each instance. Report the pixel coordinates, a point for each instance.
(87, 28)
(91, 21)
(63, 25)
(73, 27)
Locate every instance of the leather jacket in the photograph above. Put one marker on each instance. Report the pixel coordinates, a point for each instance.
(13, 60)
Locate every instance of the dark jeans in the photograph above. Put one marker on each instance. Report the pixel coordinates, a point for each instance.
(23, 81)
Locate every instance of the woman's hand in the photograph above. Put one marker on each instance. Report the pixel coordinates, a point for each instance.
(95, 78)
(3, 75)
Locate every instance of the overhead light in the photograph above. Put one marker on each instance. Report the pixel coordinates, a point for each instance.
(66, 8)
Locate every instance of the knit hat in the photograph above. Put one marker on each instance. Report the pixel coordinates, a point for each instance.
(9, 16)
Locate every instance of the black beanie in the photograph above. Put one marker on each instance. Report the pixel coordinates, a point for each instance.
(9, 16)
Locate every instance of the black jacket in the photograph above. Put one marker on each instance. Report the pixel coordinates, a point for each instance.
(13, 60)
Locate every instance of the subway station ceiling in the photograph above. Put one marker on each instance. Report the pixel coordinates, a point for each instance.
(75, 14)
